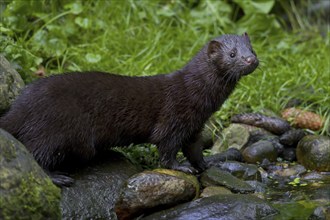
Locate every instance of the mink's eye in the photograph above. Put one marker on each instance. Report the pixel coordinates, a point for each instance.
(253, 52)
(232, 54)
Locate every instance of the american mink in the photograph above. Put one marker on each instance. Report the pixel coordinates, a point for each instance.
(65, 120)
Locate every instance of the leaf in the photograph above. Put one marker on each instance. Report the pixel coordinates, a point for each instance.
(296, 180)
(256, 6)
(82, 22)
(76, 8)
(93, 58)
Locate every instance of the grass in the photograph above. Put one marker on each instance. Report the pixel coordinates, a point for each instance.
(151, 37)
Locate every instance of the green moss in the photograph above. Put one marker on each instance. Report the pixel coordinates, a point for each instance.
(33, 199)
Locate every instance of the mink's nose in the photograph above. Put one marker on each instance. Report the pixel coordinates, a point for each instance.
(250, 59)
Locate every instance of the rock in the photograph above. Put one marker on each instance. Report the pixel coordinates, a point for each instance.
(259, 151)
(289, 154)
(11, 84)
(314, 152)
(275, 125)
(235, 136)
(216, 177)
(97, 188)
(214, 190)
(241, 170)
(292, 137)
(229, 207)
(315, 176)
(290, 171)
(26, 191)
(274, 139)
(151, 190)
(257, 186)
(230, 154)
(303, 119)
(320, 213)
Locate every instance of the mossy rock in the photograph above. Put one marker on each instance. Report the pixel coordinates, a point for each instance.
(26, 191)
(11, 84)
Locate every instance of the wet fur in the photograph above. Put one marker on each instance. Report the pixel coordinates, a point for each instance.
(66, 119)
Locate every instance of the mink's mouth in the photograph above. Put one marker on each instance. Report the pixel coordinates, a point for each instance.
(250, 67)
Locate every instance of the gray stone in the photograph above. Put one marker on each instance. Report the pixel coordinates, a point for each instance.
(320, 213)
(26, 191)
(11, 84)
(152, 190)
(230, 207)
(214, 190)
(216, 177)
(313, 152)
(96, 188)
(235, 136)
(259, 151)
(241, 170)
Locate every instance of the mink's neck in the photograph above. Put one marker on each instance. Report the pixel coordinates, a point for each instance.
(206, 86)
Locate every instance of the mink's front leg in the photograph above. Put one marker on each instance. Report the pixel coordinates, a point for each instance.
(194, 154)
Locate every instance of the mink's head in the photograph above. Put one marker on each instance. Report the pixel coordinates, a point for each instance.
(232, 56)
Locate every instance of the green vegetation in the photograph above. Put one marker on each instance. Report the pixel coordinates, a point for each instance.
(150, 37)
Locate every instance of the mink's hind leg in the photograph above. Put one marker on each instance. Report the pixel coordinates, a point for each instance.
(58, 161)
(60, 179)
(194, 154)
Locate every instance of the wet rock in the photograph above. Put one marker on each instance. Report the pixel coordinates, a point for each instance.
(292, 137)
(289, 154)
(26, 191)
(241, 170)
(318, 192)
(274, 139)
(275, 125)
(290, 171)
(315, 176)
(230, 154)
(214, 190)
(259, 151)
(320, 213)
(235, 136)
(152, 190)
(11, 84)
(97, 188)
(219, 207)
(314, 152)
(216, 177)
(257, 186)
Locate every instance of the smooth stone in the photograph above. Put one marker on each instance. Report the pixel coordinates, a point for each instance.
(217, 159)
(320, 213)
(214, 176)
(232, 206)
(234, 136)
(214, 190)
(292, 137)
(259, 151)
(289, 154)
(313, 152)
(241, 170)
(153, 190)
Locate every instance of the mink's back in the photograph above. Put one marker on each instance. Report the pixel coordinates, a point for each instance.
(65, 112)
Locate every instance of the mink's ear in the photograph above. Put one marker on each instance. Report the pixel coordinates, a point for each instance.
(213, 47)
(246, 36)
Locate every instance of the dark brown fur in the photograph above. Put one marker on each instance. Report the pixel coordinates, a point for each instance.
(68, 118)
